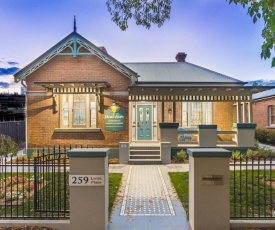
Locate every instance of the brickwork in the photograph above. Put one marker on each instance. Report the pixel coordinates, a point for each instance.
(41, 118)
(81, 68)
(260, 112)
(223, 117)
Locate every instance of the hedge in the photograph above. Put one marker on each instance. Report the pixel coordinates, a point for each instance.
(265, 136)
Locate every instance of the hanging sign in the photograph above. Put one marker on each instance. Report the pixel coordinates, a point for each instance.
(114, 118)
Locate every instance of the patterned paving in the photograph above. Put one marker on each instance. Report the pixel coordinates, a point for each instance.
(146, 193)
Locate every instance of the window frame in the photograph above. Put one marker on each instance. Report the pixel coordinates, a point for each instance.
(204, 117)
(67, 102)
(270, 115)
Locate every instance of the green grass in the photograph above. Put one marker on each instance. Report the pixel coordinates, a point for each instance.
(48, 195)
(252, 197)
(180, 180)
(114, 184)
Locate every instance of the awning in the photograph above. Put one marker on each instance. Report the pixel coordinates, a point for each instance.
(74, 87)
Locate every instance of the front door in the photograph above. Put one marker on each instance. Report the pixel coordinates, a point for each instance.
(144, 122)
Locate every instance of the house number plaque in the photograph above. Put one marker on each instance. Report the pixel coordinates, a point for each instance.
(86, 180)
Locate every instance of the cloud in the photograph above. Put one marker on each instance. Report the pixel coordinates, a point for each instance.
(8, 71)
(4, 85)
(13, 63)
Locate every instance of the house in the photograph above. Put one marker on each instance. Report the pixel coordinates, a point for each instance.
(264, 109)
(78, 94)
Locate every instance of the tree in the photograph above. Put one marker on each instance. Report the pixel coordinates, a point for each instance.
(147, 12)
(7, 145)
(256, 84)
(144, 12)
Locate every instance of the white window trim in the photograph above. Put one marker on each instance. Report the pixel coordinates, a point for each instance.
(270, 115)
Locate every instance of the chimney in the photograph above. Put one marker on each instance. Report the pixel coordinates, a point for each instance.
(103, 49)
(181, 57)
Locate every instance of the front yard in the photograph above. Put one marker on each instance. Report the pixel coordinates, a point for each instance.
(252, 192)
(20, 198)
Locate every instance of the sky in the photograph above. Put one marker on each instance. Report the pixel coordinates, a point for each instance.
(214, 34)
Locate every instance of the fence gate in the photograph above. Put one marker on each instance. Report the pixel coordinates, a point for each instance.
(51, 179)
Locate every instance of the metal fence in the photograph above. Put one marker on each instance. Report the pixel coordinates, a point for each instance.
(36, 187)
(252, 188)
(14, 129)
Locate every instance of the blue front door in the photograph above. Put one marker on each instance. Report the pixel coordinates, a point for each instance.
(144, 122)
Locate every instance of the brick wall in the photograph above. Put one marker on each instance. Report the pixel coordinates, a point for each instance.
(41, 118)
(223, 117)
(260, 112)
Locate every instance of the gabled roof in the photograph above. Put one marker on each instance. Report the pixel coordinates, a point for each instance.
(75, 42)
(179, 72)
(264, 95)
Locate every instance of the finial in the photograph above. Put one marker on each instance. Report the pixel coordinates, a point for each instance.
(74, 24)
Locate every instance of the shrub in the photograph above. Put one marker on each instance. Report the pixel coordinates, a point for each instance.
(265, 136)
(251, 153)
(271, 137)
(265, 152)
(257, 143)
(181, 156)
(261, 135)
(22, 158)
(7, 145)
(236, 155)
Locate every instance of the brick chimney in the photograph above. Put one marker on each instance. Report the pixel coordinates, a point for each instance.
(103, 49)
(181, 57)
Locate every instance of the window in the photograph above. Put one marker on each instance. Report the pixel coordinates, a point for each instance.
(196, 113)
(271, 115)
(78, 111)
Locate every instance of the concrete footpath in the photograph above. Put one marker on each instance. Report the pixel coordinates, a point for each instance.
(147, 199)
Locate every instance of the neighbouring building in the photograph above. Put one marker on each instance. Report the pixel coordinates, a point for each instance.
(12, 107)
(264, 109)
(78, 94)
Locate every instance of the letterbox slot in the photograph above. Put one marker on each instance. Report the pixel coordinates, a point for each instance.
(212, 180)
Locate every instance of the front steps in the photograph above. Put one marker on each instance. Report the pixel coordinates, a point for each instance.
(140, 154)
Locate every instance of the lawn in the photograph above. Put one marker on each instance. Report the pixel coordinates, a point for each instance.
(252, 197)
(114, 184)
(17, 198)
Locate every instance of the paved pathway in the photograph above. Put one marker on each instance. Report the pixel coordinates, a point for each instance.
(266, 146)
(147, 199)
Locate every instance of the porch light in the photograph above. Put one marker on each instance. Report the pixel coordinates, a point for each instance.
(169, 110)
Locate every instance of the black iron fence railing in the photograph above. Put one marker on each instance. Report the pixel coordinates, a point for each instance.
(35, 187)
(252, 188)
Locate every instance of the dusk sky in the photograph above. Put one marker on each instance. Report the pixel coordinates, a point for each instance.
(214, 34)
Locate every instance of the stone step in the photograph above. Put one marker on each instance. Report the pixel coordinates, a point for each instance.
(145, 157)
(144, 162)
(144, 152)
(144, 148)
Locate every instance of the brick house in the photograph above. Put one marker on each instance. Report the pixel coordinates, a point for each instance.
(78, 94)
(264, 109)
